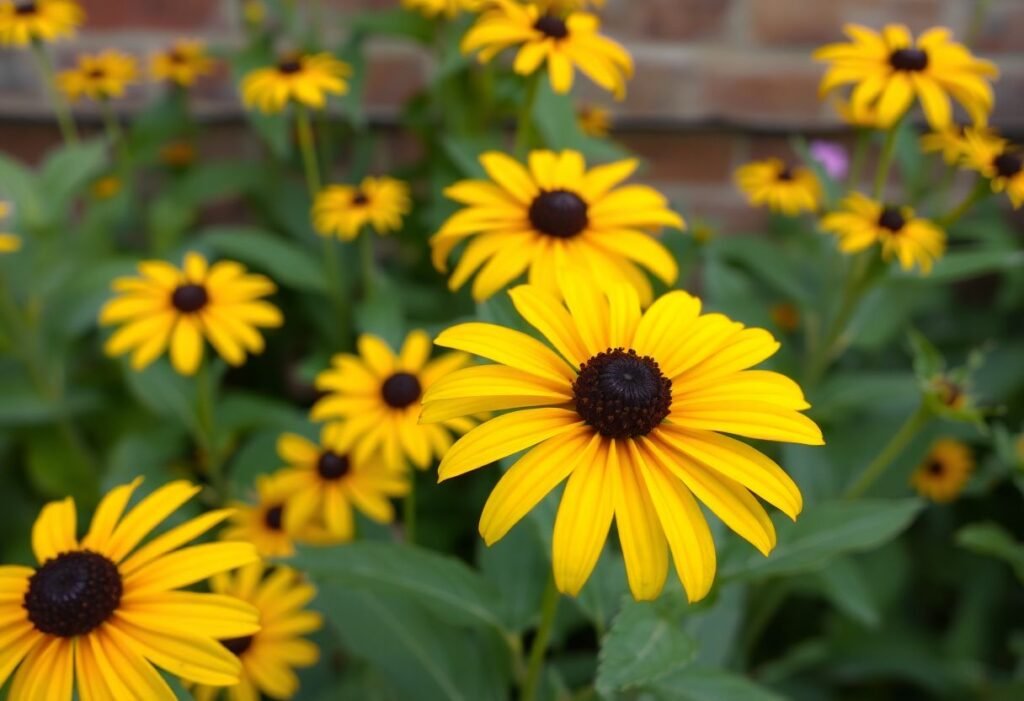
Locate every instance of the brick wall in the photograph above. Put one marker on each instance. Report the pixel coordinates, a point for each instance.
(717, 80)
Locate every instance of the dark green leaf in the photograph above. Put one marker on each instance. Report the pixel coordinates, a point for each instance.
(995, 541)
(284, 261)
(694, 684)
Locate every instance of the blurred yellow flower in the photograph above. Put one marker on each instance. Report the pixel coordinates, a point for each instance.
(9, 243)
(448, 8)
(786, 316)
(254, 12)
(861, 115)
(183, 64)
(166, 306)
(178, 154)
(563, 42)
(943, 474)
(301, 79)
(328, 480)
(594, 120)
(22, 23)
(262, 523)
(998, 160)
(270, 656)
(890, 71)
(553, 214)
(344, 210)
(102, 76)
(863, 222)
(378, 395)
(780, 187)
(107, 187)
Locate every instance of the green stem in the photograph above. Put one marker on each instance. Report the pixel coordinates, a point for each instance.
(369, 263)
(980, 192)
(885, 160)
(60, 106)
(206, 420)
(860, 155)
(524, 122)
(114, 132)
(307, 145)
(826, 351)
(548, 609)
(409, 512)
(918, 420)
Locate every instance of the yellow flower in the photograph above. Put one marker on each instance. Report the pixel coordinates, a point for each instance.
(552, 215)
(101, 612)
(9, 243)
(856, 114)
(448, 8)
(102, 76)
(378, 396)
(22, 23)
(942, 475)
(303, 79)
(327, 480)
(107, 187)
(570, 5)
(270, 656)
(262, 524)
(562, 42)
(631, 408)
(183, 64)
(786, 316)
(998, 160)
(890, 71)
(178, 154)
(343, 210)
(595, 121)
(782, 188)
(167, 306)
(862, 223)
(254, 12)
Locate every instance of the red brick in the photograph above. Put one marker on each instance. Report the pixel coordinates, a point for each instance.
(701, 157)
(761, 90)
(395, 74)
(666, 19)
(812, 22)
(154, 14)
(1003, 28)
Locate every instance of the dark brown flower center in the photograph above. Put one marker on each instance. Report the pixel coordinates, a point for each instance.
(26, 8)
(96, 73)
(1008, 164)
(289, 66)
(189, 298)
(559, 213)
(238, 646)
(892, 219)
(401, 390)
(73, 594)
(910, 60)
(552, 26)
(176, 56)
(622, 394)
(274, 518)
(936, 468)
(332, 466)
(360, 199)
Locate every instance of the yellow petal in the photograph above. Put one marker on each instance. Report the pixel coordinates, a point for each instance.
(507, 347)
(643, 542)
(54, 530)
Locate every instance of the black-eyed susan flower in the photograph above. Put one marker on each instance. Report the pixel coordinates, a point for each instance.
(270, 656)
(594, 120)
(998, 160)
(344, 210)
(167, 307)
(9, 243)
(889, 71)
(563, 42)
(97, 614)
(551, 215)
(942, 475)
(102, 76)
(304, 80)
(22, 23)
(631, 408)
(182, 64)
(447, 8)
(863, 222)
(950, 143)
(327, 481)
(378, 396)
(782, 188)
(262, 523)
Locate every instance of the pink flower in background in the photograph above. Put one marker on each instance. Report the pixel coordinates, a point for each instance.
(832, 157)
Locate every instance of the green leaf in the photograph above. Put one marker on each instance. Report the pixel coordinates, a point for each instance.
(827, 530)
(57, 470)
(22, 405)
(995, 541)
(285, 262)
(68, 170)
(957, 265)
(555, 117)
(646, 642)
(163, 391)
(844, 585)
(695, 684)
(396, 22)
(18, 185)
(446, 585)
(245, 411)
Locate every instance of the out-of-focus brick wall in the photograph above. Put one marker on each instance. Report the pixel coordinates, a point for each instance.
(718, 81)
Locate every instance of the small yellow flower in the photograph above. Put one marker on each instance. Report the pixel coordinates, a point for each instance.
(270, 656)
(9, 243)
(178, 154)
(862, 222)
(102, 613)
(378, 395)
(302, 79)
(166, 306)
(856, 114)
(595, 121)
(448, 8)
(327, 480)
(781, 187)
(183, 64)
(942, 475)
(553, 213)
(107, 187)
(344, 210)
(262, 523)
(22, 23)
(563, 42)
(102, 76)
(786, 316)
(890, 71)
(998, 160)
